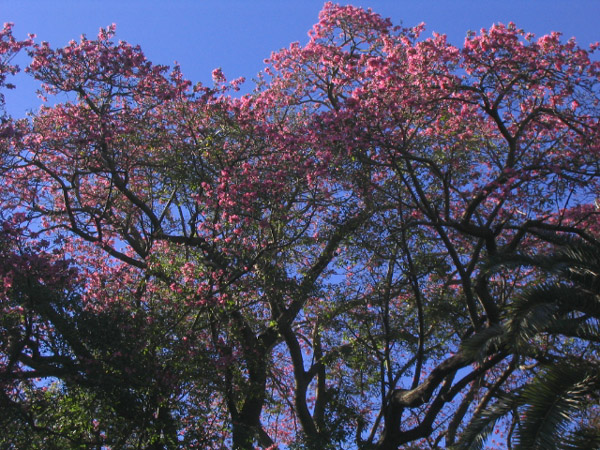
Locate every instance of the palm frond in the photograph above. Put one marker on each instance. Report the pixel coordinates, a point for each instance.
(540, 309)
(477, 431)
(532, 312)
(479, 345)
(551, 399)
(565, 305)
(582, 326)
(582, 438)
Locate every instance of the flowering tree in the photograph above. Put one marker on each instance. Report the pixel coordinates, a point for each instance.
(301, 267)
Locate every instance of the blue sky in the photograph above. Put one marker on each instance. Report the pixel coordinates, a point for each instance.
(238, 35)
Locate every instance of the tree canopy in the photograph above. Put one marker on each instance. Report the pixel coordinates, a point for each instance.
(366, 252)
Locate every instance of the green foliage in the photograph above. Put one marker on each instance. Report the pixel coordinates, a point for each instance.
(567, 381)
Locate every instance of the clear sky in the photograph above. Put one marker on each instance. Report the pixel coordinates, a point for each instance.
(237, 35)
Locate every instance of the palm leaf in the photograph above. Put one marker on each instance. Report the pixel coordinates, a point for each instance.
(532, 312)
(583, 438)
(478, 346)
(551, 399)
(567, 305)
(475, 435)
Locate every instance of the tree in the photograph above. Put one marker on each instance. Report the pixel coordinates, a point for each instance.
(565, 385)
(300, 267)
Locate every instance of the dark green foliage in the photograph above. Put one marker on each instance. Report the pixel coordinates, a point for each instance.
(565, 380)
